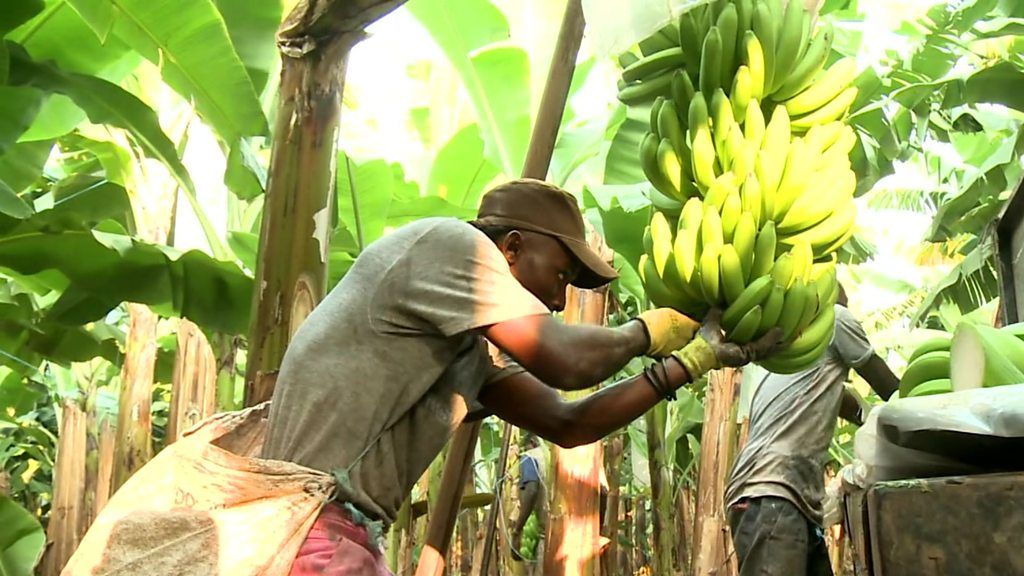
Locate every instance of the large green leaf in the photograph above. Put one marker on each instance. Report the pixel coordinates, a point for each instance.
(107, 103)
(252, 25)
(106, 269)
(365, 192)
(11, 204)
(22, 164)
(49, 36)
(21, 540)
(18, 107)
(16, 13)
(999, 84)
(189, 41)
(460, 171)
(496, 77)
(624, 212)
(622, 166)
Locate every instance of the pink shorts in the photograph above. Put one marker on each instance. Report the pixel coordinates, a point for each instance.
(337, 546)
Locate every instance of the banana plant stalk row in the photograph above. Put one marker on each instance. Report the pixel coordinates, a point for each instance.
(748, 153)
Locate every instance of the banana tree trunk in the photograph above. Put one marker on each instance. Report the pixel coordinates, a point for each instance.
(67, 514)
(291, 273)
(574, 528)
(613, 463)
(661, 489)
(713, 544)
(134, 422)
(194, 386)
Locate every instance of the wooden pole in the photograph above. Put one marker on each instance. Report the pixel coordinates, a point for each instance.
(492, 512)
(66, 525)
(711, 532)
(573, 530)
(538, 160)
(291, 271)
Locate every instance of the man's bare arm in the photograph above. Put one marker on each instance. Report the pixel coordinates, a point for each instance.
(849, 407)
(525, 401)
(878, 375)
(569, 357)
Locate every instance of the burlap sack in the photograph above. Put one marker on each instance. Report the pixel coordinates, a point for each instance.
(205, 506)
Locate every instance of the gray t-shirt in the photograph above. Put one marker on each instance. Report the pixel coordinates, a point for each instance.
(388, 365)
(792, 419)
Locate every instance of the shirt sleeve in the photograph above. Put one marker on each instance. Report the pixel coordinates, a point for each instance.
(850, 341)
(455, 279)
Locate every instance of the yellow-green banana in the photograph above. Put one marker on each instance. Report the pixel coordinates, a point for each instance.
(701, 146)
(750, 198)
(741, 153)
(711, 229)
(803, 259)
(836, 188)
(764, 28)
(671, 168)
(753, 125)
(685, 250)
(793, 309)
(782, 363)
(821, 137)
(709, 274)
(661, 241)
(720, 190)
(731, 211)
(649, 163)
(771, 309)
(728, 25)
(722, 122)
(682, 92)
(730, 273)
(794, 178)
(810, 64)
(656, 290)
(764, 251)
(818, 329)
(753, 58)
(669, 127)
(744, 238)
(741, 94)
(827, 234)
(822, 91)
(782, 271)
(789, 43)
(834, 110)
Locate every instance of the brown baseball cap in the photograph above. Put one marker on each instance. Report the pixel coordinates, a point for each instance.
(538, 206)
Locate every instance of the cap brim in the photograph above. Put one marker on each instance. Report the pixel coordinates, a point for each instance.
(594, 272)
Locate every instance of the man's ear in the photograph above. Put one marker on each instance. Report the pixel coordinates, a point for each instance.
(511, 246)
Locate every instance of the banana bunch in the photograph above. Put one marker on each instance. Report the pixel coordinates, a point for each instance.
(719, 257)
(749, 155)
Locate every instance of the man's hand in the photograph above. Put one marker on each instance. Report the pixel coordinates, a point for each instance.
(668, 330)
(709, 350)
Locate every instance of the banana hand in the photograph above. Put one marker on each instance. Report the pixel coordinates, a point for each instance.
(667, 330)
(710, 350)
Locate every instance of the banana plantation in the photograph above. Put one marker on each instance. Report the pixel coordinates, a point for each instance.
(182, 182)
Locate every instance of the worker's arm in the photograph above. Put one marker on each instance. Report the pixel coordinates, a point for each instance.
(849, 408)
(569, 357)
(878, 375)
(525, 401)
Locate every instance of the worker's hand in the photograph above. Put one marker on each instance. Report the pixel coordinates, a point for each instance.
(710, 351)
(668, 330)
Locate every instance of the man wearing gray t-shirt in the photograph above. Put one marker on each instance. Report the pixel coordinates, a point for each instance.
(774, 496)
(443, 320)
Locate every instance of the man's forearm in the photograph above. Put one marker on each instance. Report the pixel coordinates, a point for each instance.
(611, 408)
(599, 352)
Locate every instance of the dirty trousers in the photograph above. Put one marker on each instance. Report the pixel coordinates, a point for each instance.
(337, 546)
(773, 538)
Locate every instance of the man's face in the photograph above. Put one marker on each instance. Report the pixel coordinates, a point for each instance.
(542, 265)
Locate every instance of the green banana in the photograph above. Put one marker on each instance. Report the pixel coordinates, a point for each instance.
(654, 64)
(731, 211)
(824, 90)
(768, 175)
(655, 112)
(750, 198)
(810, 311)
(810, 64)
(764, 28)
(782, 363)
(727, 24)
(741, 153)
(669, 127)
(754, 294)
(764, 251)
(722, 122)
(730, 273)
(682, 92)
(935, 344)
(746, 328)
(656, 43)
(793, 309)
(640, 92)
(790, 41)
(690, 36)
(741, 94)
(711, 62)
(834, 110)
(627, 58)
(744, 238)
(803, 260)
(744, 20)
(709, 272)
(670, 206)
(771, 309)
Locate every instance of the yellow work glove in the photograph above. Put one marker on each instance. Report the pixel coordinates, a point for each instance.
(710, 351)
(668, 330)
